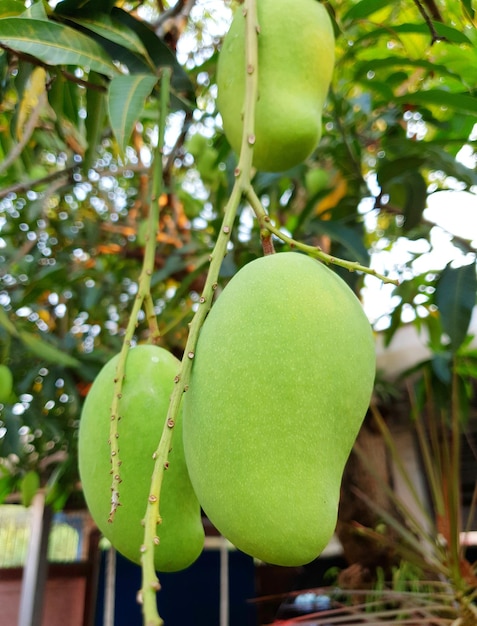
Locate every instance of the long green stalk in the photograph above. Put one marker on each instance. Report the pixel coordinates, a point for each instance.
(143, 297)
(150, 582)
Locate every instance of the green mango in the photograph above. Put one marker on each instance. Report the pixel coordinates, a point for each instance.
(147, 386)
(295, 65)
(316, 181)
(280, 383)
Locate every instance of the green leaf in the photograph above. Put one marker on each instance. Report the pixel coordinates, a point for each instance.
(54, 44)
(409, 192)
(438, 97)
(7, 483)
(126, 98)
(377, 65)
(11, 8)
(455, 298)
(47, 351)
(160, 54)
(451, 34)
(391, 169)
(69, 7)
(36, 11)
(365, 8)
(7, 324)
(30, 484)
(94, 123)
(113, 30)
(347, 237)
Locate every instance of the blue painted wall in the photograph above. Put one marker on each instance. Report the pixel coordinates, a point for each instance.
(188, 598)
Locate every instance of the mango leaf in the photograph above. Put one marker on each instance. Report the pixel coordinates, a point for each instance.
(29, 485)
(7, 483)
(438, 97)
(408, 192)
(47, 351)
(160, 54)
(94, 123)
(440, 159)
(455, 298)
(389, 169)
(7, 324)
(54, 44)
(347, 237)
(448, 32)
(113, 30)
(11, 8)
(376, 65)
(70, 7)
(126, 97)
(35, 11)
(416, 199)
(365, 8)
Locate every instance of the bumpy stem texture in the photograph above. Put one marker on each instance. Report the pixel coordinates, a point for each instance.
(150, 582)
(266, 225)
(143, 297)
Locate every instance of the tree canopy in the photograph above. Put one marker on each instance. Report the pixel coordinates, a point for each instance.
(80, 102)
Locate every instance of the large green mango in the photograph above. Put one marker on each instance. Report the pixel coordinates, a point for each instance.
(295, 65)
(148, 384)
(281, 380)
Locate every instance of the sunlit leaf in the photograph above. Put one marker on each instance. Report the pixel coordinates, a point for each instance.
(160, 54)
(11, 8)
(126, 98)
(35, 11)
(113, 30)
(365, 8)
(54, 44)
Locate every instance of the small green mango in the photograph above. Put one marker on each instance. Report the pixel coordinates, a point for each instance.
(281, 380)
(147, 386)
(295, 65)
(316, 180)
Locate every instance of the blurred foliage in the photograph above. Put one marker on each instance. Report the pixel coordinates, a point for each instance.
(79, 95)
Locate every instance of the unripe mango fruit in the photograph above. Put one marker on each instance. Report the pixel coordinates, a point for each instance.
(295, 65)
(147, 386)
(281, 380)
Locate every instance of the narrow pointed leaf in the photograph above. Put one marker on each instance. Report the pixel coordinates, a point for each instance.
(160, 54)
(448, 32)
(54, 44)
(455, 298)
(346, 236)
(94, 123)
(365, 8)
(126, 98)
(439, 97)
(47, 351)
(70, 7)
(11, 8)
(113, 30)
(35, 11)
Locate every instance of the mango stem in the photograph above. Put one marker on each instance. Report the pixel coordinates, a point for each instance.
(150, 582)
